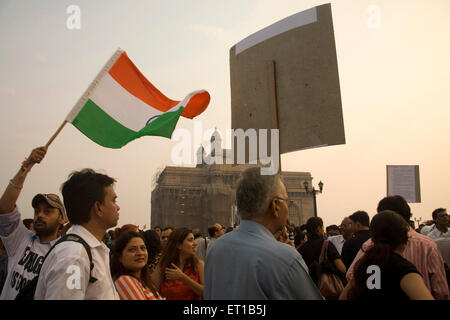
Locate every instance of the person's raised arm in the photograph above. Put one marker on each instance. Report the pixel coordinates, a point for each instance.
(12, 192)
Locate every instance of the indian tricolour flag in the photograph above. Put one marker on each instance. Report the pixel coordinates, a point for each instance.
(121, 105)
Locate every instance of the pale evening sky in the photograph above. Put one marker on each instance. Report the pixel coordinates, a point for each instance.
(395, 83)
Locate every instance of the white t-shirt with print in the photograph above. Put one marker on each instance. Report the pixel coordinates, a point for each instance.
(25, 253)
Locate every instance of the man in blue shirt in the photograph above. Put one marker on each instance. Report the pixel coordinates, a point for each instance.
(249, 263)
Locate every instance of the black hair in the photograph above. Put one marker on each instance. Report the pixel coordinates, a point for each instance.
(153, 244)
(332, 227)
(362, 217)
(117, 269)
(437, 211)
(212, 230)
(312, 224)
(27, 223)
(389, 231)
(81, 191)
(299, 237)
(397, 204)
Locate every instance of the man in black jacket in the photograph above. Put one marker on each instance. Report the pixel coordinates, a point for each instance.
(361, 222)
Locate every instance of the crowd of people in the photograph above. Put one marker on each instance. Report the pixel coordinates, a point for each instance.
(73, 249)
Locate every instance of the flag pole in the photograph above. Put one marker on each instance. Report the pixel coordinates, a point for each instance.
(55, 134)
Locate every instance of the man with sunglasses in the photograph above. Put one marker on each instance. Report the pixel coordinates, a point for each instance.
(26, 249)
(249, 263)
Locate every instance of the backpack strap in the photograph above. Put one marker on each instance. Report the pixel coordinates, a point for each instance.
(77, 238)
(27, 292)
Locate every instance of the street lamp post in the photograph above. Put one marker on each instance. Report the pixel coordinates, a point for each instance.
(418, 220)
(313, 192)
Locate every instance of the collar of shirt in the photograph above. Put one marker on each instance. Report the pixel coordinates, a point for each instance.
(339, 238)
(412, 232)
(87, 236)
(35, 237)
(436, 233)
(256, 228)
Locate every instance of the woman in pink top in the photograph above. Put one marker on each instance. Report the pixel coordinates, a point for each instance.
(129, 268)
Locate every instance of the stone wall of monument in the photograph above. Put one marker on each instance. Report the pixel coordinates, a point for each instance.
(199, 197)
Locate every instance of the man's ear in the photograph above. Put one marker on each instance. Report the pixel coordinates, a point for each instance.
(97, 208)
(274, 206)
(62, 220)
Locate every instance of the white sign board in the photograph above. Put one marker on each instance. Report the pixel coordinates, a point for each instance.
(404, 181)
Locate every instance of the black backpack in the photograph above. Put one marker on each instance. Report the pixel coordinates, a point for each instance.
(27, 292)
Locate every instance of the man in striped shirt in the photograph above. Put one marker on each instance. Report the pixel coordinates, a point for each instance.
(420, 250)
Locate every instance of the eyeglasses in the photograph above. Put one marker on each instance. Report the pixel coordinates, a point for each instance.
(288, 201)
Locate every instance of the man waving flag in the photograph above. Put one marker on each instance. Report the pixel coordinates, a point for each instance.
(121, 105)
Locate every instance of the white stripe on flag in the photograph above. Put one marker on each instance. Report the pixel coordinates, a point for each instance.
(121, 105)
(84, 98)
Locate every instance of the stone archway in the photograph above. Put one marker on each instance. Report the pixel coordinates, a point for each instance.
(294, 215)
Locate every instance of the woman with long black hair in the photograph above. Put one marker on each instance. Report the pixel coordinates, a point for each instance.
(180, 274)
(382, 273)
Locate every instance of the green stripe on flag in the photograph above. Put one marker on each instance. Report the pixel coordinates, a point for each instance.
(101, 128)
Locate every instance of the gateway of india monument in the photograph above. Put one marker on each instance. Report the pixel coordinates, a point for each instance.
(283, 77)
(201, 196)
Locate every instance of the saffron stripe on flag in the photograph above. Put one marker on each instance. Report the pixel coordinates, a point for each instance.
(131, 79)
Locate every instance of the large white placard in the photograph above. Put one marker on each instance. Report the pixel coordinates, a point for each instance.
(404, 181)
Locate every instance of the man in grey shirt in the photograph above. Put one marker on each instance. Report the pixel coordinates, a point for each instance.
(249, 263)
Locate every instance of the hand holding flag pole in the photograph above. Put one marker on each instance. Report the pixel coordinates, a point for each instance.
(120, 80)
(29, 162)
(118, 105)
